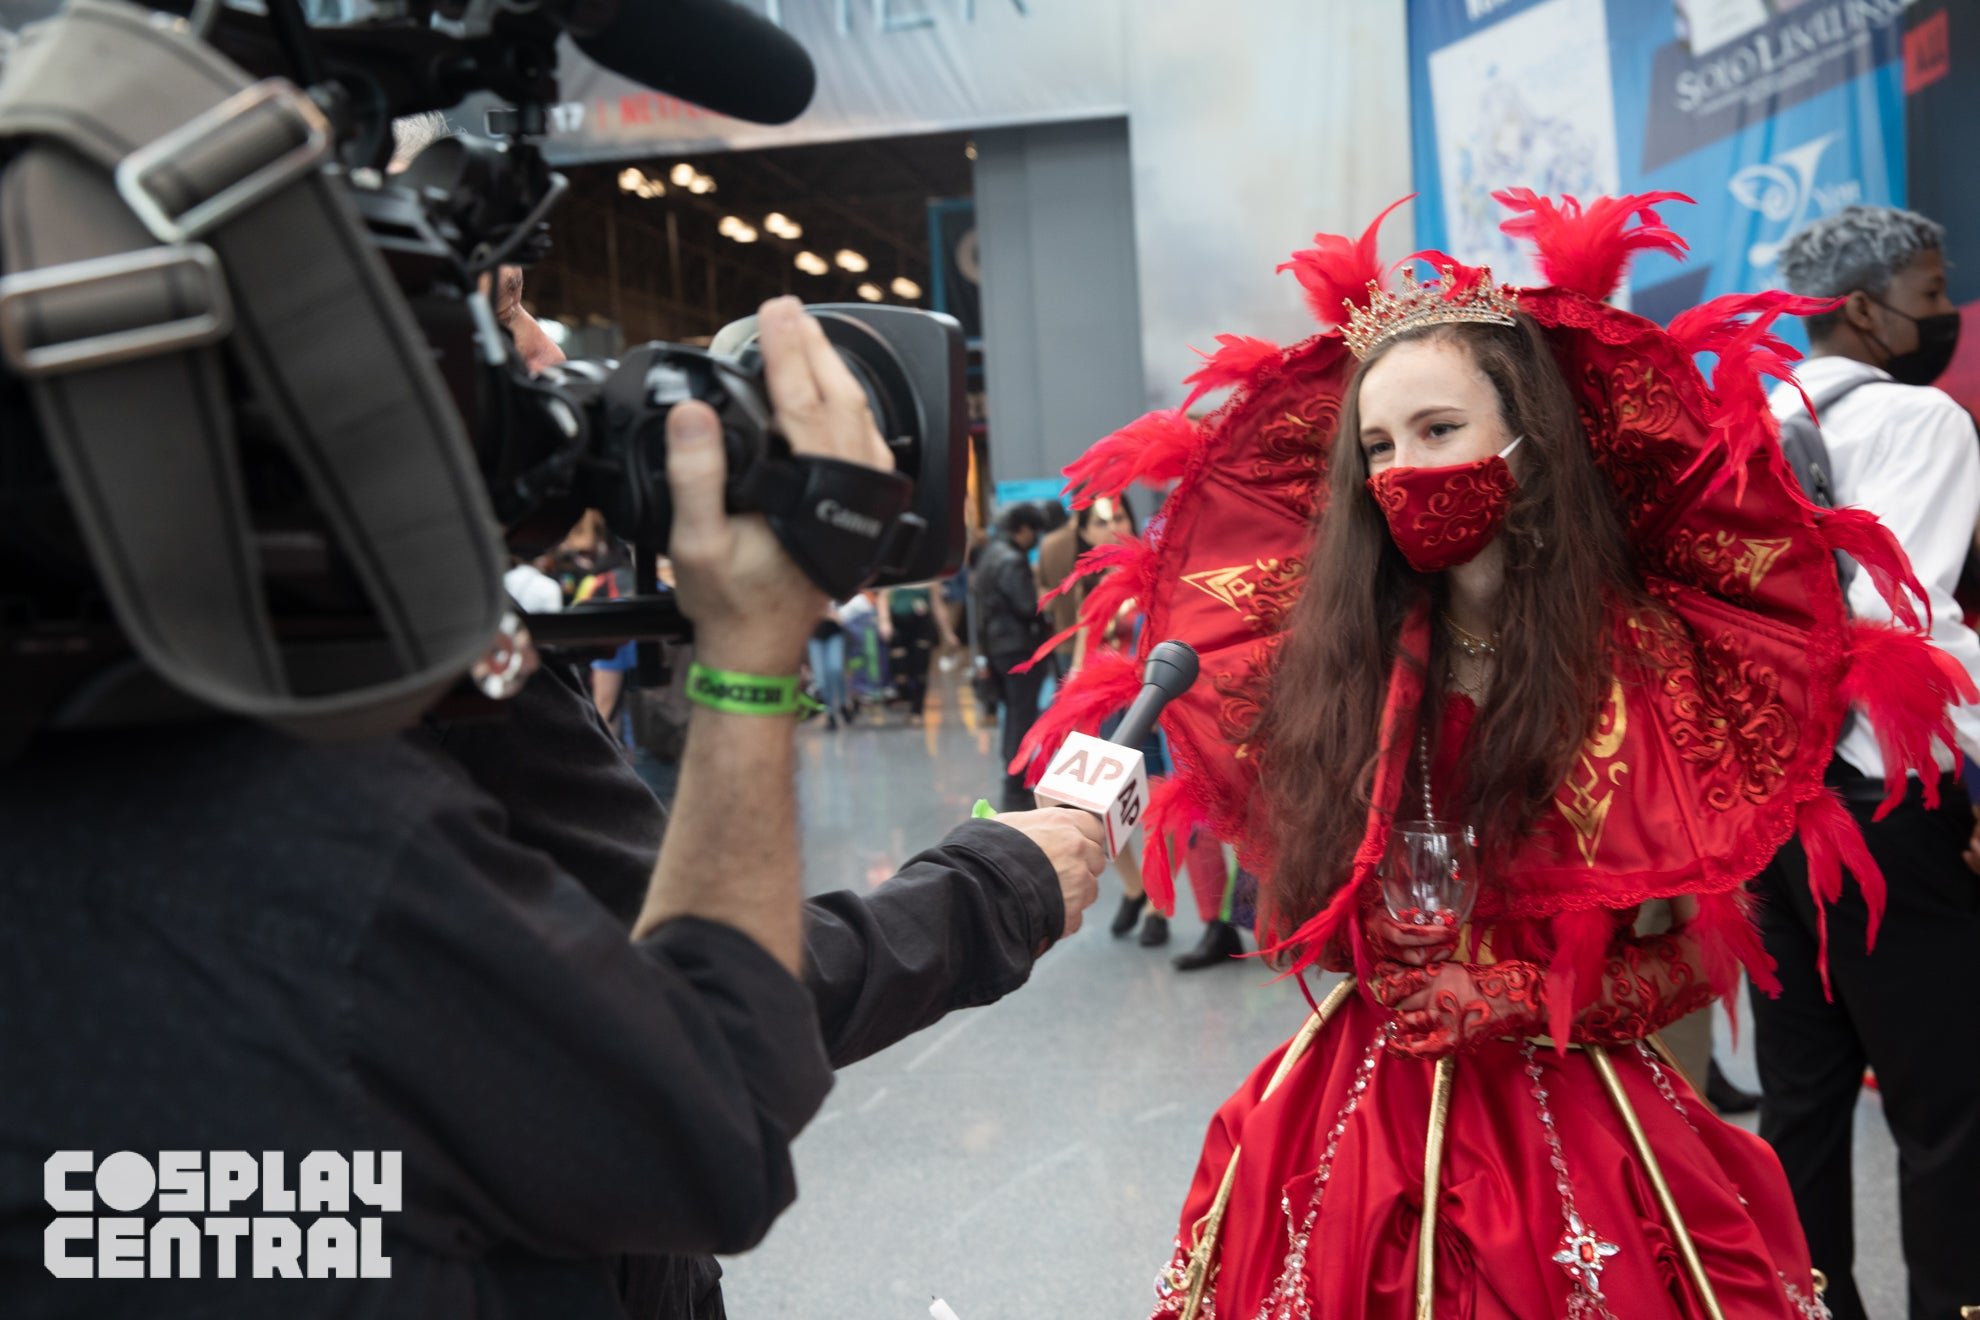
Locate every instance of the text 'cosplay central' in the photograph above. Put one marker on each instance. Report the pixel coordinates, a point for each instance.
(1525, 654)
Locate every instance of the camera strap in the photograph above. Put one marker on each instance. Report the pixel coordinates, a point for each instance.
(843, 523)
(170, 231)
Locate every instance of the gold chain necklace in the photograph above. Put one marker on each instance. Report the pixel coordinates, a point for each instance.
(1469, 642)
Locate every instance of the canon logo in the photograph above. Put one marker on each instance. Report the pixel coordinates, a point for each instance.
(834, 514)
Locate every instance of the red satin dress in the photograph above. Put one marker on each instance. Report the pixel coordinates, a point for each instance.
(1539, 1174)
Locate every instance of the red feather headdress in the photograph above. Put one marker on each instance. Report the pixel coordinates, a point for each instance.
(1757, 659)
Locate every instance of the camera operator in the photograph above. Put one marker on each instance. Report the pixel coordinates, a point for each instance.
(958, 926)
(221, 938)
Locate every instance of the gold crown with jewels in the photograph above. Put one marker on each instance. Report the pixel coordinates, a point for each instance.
(1417, 305)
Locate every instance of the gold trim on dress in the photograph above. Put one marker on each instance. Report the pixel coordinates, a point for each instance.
(1196, 1275)
(1433, 1161)
(1606, 1070)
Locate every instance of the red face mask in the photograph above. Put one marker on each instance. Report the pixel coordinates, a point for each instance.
(1443, 516)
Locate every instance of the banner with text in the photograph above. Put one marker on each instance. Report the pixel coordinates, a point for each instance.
(1770, 113)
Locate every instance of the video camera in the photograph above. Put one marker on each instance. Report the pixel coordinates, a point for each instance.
(589, 434)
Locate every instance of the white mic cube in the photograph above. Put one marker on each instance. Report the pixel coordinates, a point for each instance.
(1105, 778)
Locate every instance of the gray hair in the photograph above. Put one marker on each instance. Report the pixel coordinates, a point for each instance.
(1859, 247)
(412, 134)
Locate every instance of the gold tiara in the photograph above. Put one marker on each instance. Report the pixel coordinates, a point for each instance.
(1390, 314)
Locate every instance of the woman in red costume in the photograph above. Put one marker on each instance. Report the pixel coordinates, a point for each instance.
(1502, 559)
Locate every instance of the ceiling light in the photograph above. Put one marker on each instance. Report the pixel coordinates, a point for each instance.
(969, 151)
(783, 226)
(653, 188)
(700, 184)
(745, 234)
(728, 226)
(870, 292)
(850, 260)
(631, 180)
(811, 263)
(682, 175)
(904, 287)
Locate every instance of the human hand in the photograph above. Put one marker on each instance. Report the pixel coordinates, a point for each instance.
(1071, 840)
(1450, 1007)
(1403, 942)
(1412, 943)
(753, 608)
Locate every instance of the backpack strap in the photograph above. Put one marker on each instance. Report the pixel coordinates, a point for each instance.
(164, 220)
(1807, 453)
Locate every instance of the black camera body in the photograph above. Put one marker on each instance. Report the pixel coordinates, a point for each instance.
(589, 434)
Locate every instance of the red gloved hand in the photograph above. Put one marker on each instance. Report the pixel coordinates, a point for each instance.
(1416, 943)
(1648, 983)
(1450, 1007)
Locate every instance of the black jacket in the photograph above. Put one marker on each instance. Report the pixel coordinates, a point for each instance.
(1006, 592)
(219, 938)
(958, 926)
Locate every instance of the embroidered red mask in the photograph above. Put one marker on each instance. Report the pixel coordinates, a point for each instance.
(1443, 516)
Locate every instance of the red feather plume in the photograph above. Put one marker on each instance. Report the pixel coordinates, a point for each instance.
(1586, 250)
(1903, 685)
(1152, 448)
(1738, 328)
(1858, 534)
(1106, 683)
(1727, 942)
(1099, 559)
(1574, 974)
(1462, 277)
(1238, 359)
(1175, 809)
(1336, 271)
(1832, 841)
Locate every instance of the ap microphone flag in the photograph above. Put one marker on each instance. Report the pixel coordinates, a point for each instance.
(1110, 778)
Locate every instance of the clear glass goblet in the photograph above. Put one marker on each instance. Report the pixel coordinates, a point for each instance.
(1429, 875)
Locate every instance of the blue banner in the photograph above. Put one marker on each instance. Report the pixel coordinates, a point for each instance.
(1769, 113)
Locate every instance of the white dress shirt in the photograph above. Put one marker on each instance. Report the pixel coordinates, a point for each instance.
(1908, 454)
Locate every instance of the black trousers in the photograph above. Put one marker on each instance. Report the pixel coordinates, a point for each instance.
(1908, 1011)
(914, 643)
(1019, 695)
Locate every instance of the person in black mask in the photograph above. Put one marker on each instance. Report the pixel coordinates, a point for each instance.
(1908, 453)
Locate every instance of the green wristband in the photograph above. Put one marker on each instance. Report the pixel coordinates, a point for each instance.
(745, 694)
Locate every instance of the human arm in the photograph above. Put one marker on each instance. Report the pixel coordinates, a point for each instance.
(556, 1085)
(753, 611)
(607, 686)
(1646, 983)
(958, 926)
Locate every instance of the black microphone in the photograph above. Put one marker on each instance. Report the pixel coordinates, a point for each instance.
(1110, 778)
(714, 53)
(1170, 670)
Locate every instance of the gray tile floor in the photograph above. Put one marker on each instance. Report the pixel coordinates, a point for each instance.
(1029, 1159)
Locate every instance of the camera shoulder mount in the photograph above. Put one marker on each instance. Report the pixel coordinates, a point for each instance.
(170, 229)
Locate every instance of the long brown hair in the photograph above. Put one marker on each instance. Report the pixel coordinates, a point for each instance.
(1566, 559)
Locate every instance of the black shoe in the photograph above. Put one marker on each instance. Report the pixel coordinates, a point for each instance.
(1723, 1096)
(1220, 943)
(1129, 914)
(1154, 931)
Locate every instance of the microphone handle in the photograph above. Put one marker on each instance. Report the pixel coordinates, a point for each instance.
(1141, 716)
